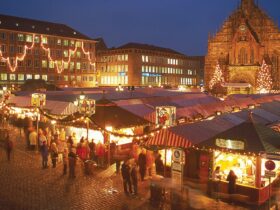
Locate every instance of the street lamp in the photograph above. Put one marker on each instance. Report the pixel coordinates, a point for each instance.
(38, 100)
(86, 107)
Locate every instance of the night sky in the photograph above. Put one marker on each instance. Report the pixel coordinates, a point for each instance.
(182, 25)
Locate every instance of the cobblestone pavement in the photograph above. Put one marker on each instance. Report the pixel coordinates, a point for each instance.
(25, 186)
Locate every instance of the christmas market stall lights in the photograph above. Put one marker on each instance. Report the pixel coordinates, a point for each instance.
(246, 149)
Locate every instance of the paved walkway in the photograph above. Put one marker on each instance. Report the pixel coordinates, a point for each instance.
(25, 186)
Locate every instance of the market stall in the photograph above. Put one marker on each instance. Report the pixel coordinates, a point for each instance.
(244, 149)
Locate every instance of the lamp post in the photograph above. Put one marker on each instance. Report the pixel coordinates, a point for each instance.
(38, 100)
(86, 107)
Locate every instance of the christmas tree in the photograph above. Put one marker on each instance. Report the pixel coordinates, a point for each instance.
(264, 80)
(217, 78)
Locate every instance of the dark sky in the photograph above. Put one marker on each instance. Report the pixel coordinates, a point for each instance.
(182, 25)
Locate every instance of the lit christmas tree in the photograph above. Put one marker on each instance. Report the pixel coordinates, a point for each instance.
(217, 78)
(264, 80)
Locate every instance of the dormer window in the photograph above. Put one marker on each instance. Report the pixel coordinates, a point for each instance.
(17, 24)
(33, 27)
(74, 33)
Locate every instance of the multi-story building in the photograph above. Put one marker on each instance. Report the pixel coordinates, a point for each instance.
(56, 53)
(143, 65)
(246, 39)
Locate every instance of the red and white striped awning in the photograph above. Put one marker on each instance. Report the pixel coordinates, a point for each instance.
(166, 138)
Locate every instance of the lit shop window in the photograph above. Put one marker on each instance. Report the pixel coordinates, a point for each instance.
(45, 77)
(28, 76)
(29, 38)
(65, 42)
(20, 77)
(44, 64)
(44, 40)
(51, 64)
(36, 76)
(4, 77)
(12, 77)
(20, 37)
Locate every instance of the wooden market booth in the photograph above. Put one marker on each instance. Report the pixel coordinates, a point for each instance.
(242, 150)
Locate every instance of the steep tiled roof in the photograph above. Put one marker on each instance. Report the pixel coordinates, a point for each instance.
(39, 27)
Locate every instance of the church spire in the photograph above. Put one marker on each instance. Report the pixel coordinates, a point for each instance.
(247, 3)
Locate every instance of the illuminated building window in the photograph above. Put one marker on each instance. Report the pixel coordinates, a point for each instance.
(84, 66)
(65, 53)
(78, 65)
(145, 58)
(78, 44)
(36, 63)
(3, 77)
(51, 64)
(58, 41)
(65, 78)
(72, 65)
(126, 57)
(84, 78)
(72, 53)
(12, 77)
(72, 43)
(90, 78)
(79, 78)
(78, 54)
(190, 72)
(36, 76)
(29, 38)
(28, 76)
(45, 77)
(65, 42)
(37, 39)
(44, 40)
(72, 78)
(20, 37)
(20, 77)
(44, 64)
(65, 65)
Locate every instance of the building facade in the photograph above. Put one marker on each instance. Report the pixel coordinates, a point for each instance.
(56, 53)
(143, 65)
(246, 39)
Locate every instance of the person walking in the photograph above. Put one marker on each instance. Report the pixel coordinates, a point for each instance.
(72, 158)
(92, 146)
(159, 165)
(126, 177)
(216, 178)
(65, 160)
(54, 154)
(8, 147)
(134, 179)
(231, 178)
(142, 164)
(44, 154)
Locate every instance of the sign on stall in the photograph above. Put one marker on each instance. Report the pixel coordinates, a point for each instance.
(177, 169)
(166, 115)
(230, 144)
(269, 174)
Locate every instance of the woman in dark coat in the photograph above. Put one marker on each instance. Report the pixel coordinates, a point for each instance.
(231, 178)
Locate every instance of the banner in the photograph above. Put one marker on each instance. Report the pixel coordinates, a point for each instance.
(166, 115)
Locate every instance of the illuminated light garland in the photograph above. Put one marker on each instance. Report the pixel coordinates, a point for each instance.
(18, 58)
(217, 77)
(264, 80)
(13, 67)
